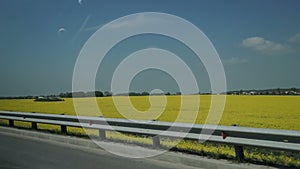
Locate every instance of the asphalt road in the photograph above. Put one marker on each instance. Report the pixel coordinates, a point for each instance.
(25, 153)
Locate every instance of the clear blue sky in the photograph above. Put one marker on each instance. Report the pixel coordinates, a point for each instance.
(258, 42)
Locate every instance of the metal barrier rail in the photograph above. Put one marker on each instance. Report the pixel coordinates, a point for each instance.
(287, 140)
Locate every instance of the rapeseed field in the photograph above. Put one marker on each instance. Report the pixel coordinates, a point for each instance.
(277, 112)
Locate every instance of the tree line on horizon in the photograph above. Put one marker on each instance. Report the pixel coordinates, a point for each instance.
(277, 91)
(107, 94)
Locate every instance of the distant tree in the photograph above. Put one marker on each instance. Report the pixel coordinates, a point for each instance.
(133, 94)
(65, 95)
(241, 91)
(145, 94)
(90, 94)
(107, 93)
(28, 97)
(99, 94)
(278, 91)
(78, 94)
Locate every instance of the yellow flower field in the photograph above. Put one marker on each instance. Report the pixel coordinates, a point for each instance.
(278, 112)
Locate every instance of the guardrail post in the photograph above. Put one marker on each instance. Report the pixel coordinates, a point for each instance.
(11, 123)
(102, 134)
(63, 129)
(239, 151)
(34, 125)
(156, 142)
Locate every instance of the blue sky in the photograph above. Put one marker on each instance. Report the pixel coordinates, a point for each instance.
(257, 41)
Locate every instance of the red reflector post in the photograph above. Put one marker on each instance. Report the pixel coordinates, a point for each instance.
(224, 135)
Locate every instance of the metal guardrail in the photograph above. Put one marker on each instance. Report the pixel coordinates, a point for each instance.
(286, 140)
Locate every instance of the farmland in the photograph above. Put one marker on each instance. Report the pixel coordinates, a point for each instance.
(278, 112)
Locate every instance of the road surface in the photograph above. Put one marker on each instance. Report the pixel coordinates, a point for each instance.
(24, 153)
